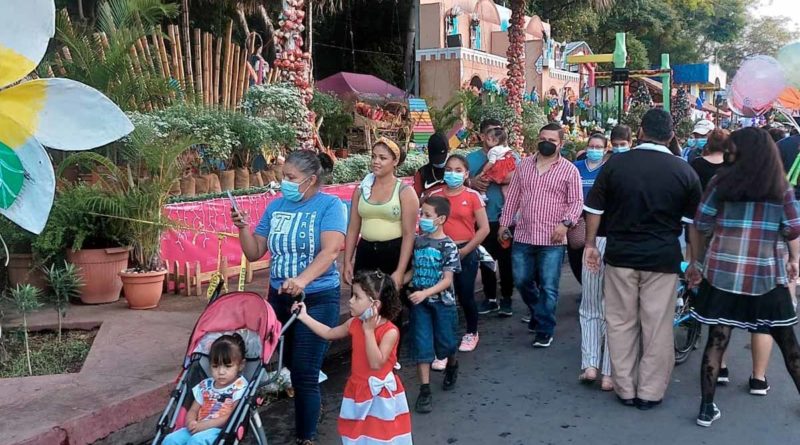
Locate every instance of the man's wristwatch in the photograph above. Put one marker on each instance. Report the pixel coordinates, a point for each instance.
(567, 223)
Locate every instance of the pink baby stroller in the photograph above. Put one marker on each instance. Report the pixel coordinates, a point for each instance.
(251, 316)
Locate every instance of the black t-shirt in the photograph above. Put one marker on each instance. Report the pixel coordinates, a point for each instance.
(643, 195)
(705, 170)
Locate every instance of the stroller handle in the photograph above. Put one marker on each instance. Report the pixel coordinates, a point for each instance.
(300, 298)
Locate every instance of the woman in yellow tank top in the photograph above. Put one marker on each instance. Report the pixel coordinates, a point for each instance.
(384, 216)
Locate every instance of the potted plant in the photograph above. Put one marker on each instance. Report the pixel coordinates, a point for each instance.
(137, 201)
(22, 263)
(95, 244)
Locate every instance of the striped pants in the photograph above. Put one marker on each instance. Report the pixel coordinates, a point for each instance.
(594, 342)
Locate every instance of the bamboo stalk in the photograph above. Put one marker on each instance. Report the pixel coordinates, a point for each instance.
(101, 50)
(186, 81)
(217, 67)
(243, 77)
(162, 49)
(234, 78)
(187, 46)
(226, 73)
(60, 65)
(177, 57)
(146, 53)
(208, 67)
(198, 64)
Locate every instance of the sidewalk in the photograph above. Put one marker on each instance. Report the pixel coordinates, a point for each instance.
(125, 380)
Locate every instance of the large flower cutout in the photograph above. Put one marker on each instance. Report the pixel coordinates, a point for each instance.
(57, 113)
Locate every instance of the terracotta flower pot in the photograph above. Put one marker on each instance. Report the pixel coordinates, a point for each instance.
(99, 269)
(187, 186)
(213, 183)
(200, 185)
(143, 290)
(256, 180)
(227, 179)
(22, 270)
(242, 178)
(175, 190)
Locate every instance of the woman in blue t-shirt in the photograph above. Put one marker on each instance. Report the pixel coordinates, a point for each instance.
(304, 232)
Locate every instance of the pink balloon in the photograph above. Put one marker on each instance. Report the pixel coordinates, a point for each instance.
(758, 82)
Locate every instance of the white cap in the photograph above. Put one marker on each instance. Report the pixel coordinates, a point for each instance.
(703, 127)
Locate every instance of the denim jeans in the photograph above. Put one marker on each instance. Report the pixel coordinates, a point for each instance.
(304, 353)
(184, 437)
(433, 331)
(537, 273)
(464, 283)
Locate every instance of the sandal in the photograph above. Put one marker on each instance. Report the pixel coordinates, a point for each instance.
(588, 376)
(606, 384)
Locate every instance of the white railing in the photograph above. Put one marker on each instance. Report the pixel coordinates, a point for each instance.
(460, 53)
(564, 75)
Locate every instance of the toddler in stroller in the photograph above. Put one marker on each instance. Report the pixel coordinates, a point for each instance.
(247, 324)
(215, 397)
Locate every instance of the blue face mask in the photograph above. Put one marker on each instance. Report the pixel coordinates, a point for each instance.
(619, 149)
(594, 154)
(291, 190)
(439, 165)
(454, 180)
(696, 143)
(427, 225)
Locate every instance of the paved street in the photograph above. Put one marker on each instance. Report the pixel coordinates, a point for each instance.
(509, 393)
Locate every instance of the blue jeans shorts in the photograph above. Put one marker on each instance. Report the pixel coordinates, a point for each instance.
(433, 331)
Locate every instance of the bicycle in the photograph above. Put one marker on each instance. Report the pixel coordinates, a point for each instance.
(686, 329)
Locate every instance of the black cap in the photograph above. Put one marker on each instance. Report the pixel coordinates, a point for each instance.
(437, 148)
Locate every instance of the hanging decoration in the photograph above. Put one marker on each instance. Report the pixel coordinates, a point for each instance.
(57, 113)
(475, 31)
(292, 59)
(516, 70)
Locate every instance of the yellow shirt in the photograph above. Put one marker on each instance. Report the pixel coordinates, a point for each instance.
(381, 222)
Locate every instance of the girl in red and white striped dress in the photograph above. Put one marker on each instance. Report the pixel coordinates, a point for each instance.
(374, 408)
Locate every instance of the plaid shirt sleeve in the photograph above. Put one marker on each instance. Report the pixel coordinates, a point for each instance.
(707, 211)
(790, 226)
(512, 199)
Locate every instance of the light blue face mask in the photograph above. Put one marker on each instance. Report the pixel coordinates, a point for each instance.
(697, 143)
(595, 154)
(454, 180)
(291, 190)
(439, 165)
(427, 225)
(620, 149)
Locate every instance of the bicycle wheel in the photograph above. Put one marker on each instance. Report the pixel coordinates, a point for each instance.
(686, 330)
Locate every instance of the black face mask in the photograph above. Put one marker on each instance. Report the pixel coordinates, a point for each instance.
(547, 148)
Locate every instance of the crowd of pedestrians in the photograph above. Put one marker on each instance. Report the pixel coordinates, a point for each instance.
(627, 215)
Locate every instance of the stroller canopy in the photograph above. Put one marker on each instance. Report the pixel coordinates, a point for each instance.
(237, 311)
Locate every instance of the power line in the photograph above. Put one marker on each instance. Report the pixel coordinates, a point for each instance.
(357, 50)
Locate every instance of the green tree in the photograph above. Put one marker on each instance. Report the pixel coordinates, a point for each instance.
(64, 284)
(764, 35)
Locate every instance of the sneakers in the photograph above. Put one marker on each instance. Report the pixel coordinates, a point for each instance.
(505, 308)
(450, 377)
(759, 387)
(723, 377)
(424, 402)
(488, 306)
(526, 319)
(439, 365)
(708, 414)
(469, 342)
(542, 340)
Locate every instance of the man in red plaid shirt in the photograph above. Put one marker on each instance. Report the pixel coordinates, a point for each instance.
(545, 197)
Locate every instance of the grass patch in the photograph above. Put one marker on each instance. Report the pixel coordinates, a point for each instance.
(48, 356)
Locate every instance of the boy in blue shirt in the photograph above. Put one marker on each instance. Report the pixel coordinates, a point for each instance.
(433, 316)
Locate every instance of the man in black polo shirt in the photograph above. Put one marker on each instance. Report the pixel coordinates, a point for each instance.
(643, 195)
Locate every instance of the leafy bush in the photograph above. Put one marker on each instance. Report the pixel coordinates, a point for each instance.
(336, 120)
(18, 239)
(355, 167)
(492, 106)
(279, 101)
(633, 118)
(72, 225)
(221, 134)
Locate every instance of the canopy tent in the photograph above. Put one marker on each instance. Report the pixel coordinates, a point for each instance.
(354, 87)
